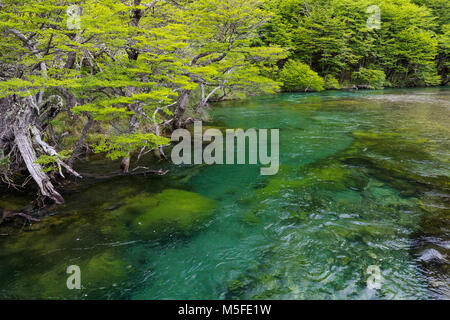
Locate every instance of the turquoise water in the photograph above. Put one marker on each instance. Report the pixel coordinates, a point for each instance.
(363, 181)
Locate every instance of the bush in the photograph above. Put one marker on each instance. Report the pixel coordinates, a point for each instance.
(370, 78)
(297, 76)
(332, 83)
(429, 77)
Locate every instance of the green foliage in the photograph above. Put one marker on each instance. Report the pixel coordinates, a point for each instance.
(373, 79)
(121, 146)
(332, 36)
(50, 163)
(131, 64)
(332, 82)
(297, 76)
(4, 163)
(129, 75)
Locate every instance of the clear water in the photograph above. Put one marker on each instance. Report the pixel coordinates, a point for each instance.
(363, 180)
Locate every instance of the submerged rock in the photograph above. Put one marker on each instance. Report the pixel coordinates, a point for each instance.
(66, 231)
(250, 218)
(103, 270)
(432, 255)
(106, 269)
(170, 210)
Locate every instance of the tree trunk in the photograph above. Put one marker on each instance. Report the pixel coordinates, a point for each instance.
(125, 165)
(181, 109)
(133, 126)
(204, 101)
(19, 120)
(79, 145)
(24, 144)
(341, 80)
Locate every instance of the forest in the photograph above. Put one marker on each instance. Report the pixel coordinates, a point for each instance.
(116, 77)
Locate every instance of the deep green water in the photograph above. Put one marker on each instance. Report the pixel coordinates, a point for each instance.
(364, 180)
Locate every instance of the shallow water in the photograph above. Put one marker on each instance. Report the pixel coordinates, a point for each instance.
(363, 181)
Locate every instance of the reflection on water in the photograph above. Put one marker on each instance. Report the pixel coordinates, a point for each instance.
(363, 181)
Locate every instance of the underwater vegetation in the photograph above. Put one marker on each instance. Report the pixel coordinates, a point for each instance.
(146, 216)
(169, 211)
(383, 184)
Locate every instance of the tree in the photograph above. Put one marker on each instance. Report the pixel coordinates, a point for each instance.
(370, 79)
(31, 56)
(221, 55)
(334, 38)
(297, 76)
(127, 70)
(441, 12)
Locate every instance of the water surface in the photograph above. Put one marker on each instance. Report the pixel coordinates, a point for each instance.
(363, 181)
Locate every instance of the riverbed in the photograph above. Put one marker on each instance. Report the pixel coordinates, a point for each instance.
(363, 185)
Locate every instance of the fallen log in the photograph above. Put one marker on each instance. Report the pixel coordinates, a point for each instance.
(122, 174)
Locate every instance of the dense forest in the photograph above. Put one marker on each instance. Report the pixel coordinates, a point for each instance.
(115, 77)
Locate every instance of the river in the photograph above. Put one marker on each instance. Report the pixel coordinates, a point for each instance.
(363, 184)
